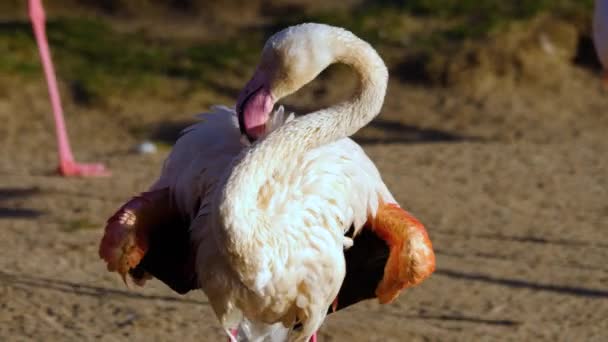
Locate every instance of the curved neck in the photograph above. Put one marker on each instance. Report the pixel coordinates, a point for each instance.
(239, 211)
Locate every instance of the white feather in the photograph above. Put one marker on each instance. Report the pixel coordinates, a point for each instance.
(294, 265)
(335, 183)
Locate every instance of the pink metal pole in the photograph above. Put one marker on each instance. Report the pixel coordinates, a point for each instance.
(67, 165)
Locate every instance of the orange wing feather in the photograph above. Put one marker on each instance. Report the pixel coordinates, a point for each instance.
(411, 259)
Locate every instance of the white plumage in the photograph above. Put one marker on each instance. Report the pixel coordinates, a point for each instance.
(206, 149)
(268, 219)
(311, 202)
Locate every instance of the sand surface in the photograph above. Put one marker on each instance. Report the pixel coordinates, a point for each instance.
(512, 187)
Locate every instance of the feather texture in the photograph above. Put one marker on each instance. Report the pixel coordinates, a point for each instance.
(325, 191)
(268, 221)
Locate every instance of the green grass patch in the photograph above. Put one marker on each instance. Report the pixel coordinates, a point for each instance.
(95, 58)
(384, 21)
(16, 49)
(477, 18)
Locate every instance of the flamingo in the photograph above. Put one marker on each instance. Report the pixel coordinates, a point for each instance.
(279, 220)
(600, 34)
(67, 165)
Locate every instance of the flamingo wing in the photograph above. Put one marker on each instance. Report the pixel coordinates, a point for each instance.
(331, 198)
(386, 248)
(150, 236)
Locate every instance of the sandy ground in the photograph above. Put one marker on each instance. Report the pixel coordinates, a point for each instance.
(512, 188)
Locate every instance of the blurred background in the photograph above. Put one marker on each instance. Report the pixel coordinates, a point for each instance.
(492, 133)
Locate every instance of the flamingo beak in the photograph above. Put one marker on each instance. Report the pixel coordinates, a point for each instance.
(254, 106)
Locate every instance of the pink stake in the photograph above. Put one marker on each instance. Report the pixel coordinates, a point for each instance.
(67, 165)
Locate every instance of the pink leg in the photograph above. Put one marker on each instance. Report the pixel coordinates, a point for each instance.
(234, 333)
(67, 165)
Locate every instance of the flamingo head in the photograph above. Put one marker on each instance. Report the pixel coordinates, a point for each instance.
(290, 59)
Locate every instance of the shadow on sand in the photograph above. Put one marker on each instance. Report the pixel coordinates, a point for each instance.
(522, 284)
(10, 193)
(527, 239)
(398, 133)
(33, 282)
(393, 132)
(460, 318)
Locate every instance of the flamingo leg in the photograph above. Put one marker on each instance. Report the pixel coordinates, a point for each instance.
(67, 165)
(235, 333)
